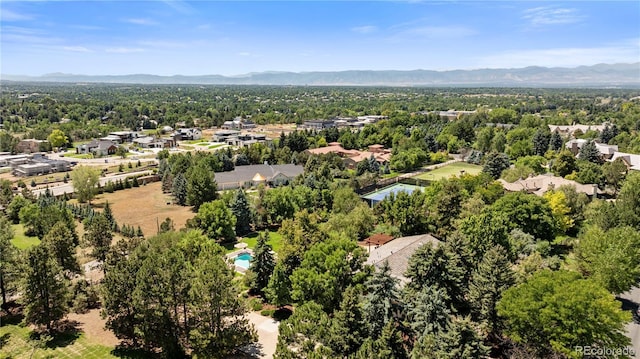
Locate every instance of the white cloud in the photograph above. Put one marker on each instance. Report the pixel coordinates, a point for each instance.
(10, 15)
(124, 50)
(140, 21)
(244, 54)
(622, 52)
(545, 15)
(203, 27)
(364, 29)
(76, 49)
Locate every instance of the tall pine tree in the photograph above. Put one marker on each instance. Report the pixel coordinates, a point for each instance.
(45, 291)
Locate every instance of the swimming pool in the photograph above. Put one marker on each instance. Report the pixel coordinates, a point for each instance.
(242, 260)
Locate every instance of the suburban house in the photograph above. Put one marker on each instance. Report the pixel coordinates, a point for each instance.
(397, 253)
(351, 158)
(252, 175)
(238, 124)
(223, 135)
(631, 160)
(318, 124)
(124, 136)
(187, 134)
(540, 184)
(606, 151)
(29, 145)
(149, 142)
(570, 130)
(246, 140)
(98, 148)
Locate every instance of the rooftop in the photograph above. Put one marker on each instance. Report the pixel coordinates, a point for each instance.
(398, 252)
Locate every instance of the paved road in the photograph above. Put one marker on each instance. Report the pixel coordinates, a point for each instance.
(68, 187)
(630, 301)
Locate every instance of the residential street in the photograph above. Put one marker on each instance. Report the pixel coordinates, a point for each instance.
(630, 301)
(68, 187)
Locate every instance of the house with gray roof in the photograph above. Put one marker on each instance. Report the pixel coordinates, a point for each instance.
(397, 253)
(252, 175)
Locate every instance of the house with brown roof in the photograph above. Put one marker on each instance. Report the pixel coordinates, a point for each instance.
(352, 157)
(540, 184)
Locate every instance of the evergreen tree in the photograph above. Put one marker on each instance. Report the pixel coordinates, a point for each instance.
(541, 141)
(382, 301)
(263, 263)
(589, 152)
(429, 311)
(555, 142)
(8, 261)
(179, 189)
(45, 291)
(461, 341)
(492, 277)
(201, 186)
(108, 214)
(495, 163)
(219, 322)
(59, 241)
(98, 235)
(167, 182)
(347, 325)
(240, 208)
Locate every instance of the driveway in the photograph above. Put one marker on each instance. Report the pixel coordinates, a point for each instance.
(267, 329)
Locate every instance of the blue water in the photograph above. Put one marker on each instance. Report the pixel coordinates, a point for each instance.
(243, 259)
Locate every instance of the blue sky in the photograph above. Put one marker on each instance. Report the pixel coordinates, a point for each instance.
(231, 38)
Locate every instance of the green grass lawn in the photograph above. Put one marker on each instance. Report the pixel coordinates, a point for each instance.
(450, 170)
(275, 240)
(16, 344)
(392, 174)
(79, 155)
(215, 146)
(20, 240)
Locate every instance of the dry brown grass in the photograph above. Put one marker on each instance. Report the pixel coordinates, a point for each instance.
(92, 324)
(144, 206)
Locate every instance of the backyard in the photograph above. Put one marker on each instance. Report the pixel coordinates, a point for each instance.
(453, 169)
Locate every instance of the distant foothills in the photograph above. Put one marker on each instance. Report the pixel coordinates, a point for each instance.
(600, 75)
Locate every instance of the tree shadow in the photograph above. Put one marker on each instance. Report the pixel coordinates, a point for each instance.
(282, 313)
(629, 305)
(4, 339)
(12, 316)
(65, 334)
(129, 352)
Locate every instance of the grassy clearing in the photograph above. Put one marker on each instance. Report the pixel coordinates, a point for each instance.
(454, 169)
(215, 146)
(16, 344)
(275, 240)
(79, 155)
(22, 241)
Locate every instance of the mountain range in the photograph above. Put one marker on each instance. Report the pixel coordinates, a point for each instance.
(600, 75)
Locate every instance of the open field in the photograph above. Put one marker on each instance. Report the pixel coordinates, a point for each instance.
(144, 206)
(454, 169)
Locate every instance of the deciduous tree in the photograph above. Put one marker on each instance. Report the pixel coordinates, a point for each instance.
(557, 311)
(84, 180)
